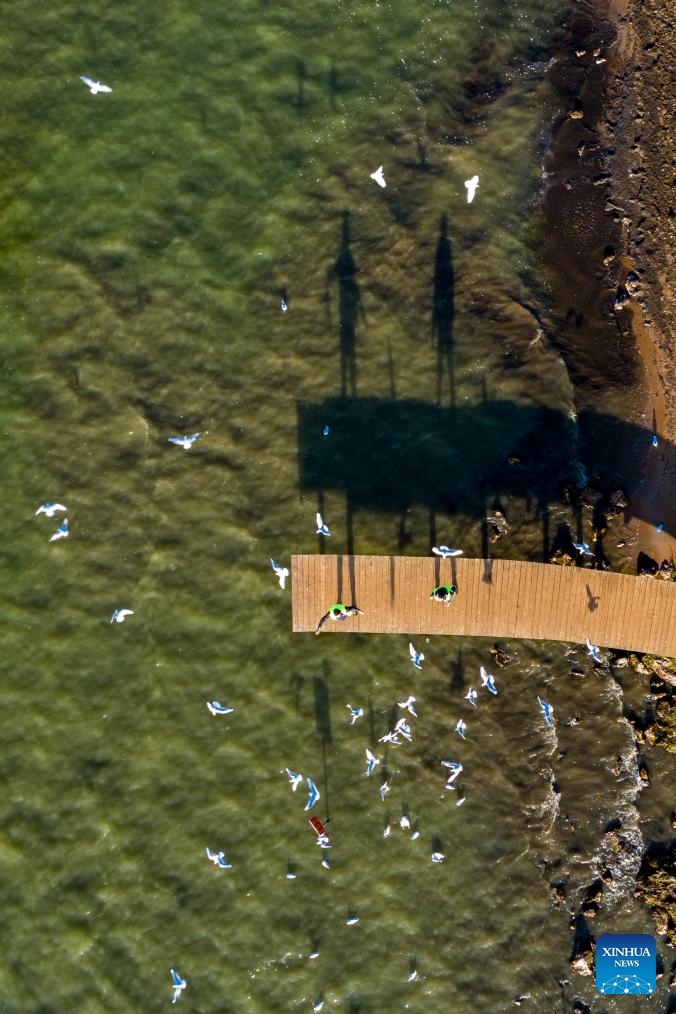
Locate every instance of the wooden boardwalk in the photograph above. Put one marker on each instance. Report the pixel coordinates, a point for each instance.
(496, 598)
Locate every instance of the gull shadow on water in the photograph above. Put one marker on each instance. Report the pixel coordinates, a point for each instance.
(443, 311)
(391, 455)
(350, 309)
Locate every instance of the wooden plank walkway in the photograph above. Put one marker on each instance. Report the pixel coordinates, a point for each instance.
(496, 598)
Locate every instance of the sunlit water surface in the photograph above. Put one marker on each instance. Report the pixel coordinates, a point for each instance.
(147, 239)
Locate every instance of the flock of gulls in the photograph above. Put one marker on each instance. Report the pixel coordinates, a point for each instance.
(402, 730)
(395, 737)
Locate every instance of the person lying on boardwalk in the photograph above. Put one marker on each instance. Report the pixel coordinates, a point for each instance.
(444, 593)
(339, 612)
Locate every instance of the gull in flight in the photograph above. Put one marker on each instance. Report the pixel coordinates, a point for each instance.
(471, 696)
(218, 859)
(322, 529)
(371, 762)
(472, 186)
(120, 615)
(94, 86)
(294, 778)
(384, 789)
(445, 551)
(185, 442)
(460, 728)
(355, 712)
(216, 708)
(179, 985)
(583, 547)
(455, 768)
(61, 532)
(594, 651)
(49, 509)
(402, 728)
(378, 177)
(488, 681)
(352, 919)
(408, 705)
(389, 737)
(438, 857)
(547, 711)
(417, 657)
(281, 573)
(314, 794)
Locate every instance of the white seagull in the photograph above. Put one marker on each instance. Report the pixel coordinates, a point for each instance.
(402, 728)
(471, 696)
(185, 442)
(355, 712)
(547, 711)
(216, 708)
(218, 859)
(472, 186)
(49, 509)
(281, 573)
(455, 768)
(594, 651)
(584, 548)
(371, 762)
(416, 656)
(95, 87)
(460, 728)
(378, 177)
(294, 778)
(446, 551)
(438, 857)
(488, 681)
(390, 737)
(384, 789)
(408, 705)
(322, 529)
(61, 532)
(179, 985)
(120, 615)
(313, 794)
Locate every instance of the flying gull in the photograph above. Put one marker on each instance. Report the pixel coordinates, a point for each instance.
(61, 532)
(179, 985)
(49, 509)
(95, 87)
(472, 186)
(378, 177)
(216, 708)
(185, 442)
(280, 572)
(417, 657)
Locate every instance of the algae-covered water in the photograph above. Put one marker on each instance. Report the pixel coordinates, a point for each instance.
(148, 237)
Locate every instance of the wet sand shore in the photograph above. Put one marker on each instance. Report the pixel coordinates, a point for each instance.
(609, 240)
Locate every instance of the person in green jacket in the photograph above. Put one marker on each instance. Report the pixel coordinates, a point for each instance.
(338, 612)
(444, 593)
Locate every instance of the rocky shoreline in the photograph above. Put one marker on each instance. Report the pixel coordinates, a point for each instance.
(609, 242)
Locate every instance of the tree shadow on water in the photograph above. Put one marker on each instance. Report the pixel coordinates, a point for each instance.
(443, 311)
(350, 309)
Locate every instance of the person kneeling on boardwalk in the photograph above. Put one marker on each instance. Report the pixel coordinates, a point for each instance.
(444, 593)
(339, 612)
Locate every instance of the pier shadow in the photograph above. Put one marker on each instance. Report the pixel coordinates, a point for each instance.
(443, 311)
(390, 455)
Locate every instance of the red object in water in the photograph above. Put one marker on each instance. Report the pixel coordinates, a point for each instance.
(318, 826)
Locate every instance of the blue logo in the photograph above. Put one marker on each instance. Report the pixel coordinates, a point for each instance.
(626, 963)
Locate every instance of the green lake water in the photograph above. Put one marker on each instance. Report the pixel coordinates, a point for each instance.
(148, 237)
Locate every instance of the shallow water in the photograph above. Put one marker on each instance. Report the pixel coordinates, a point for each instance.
(148, 236)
